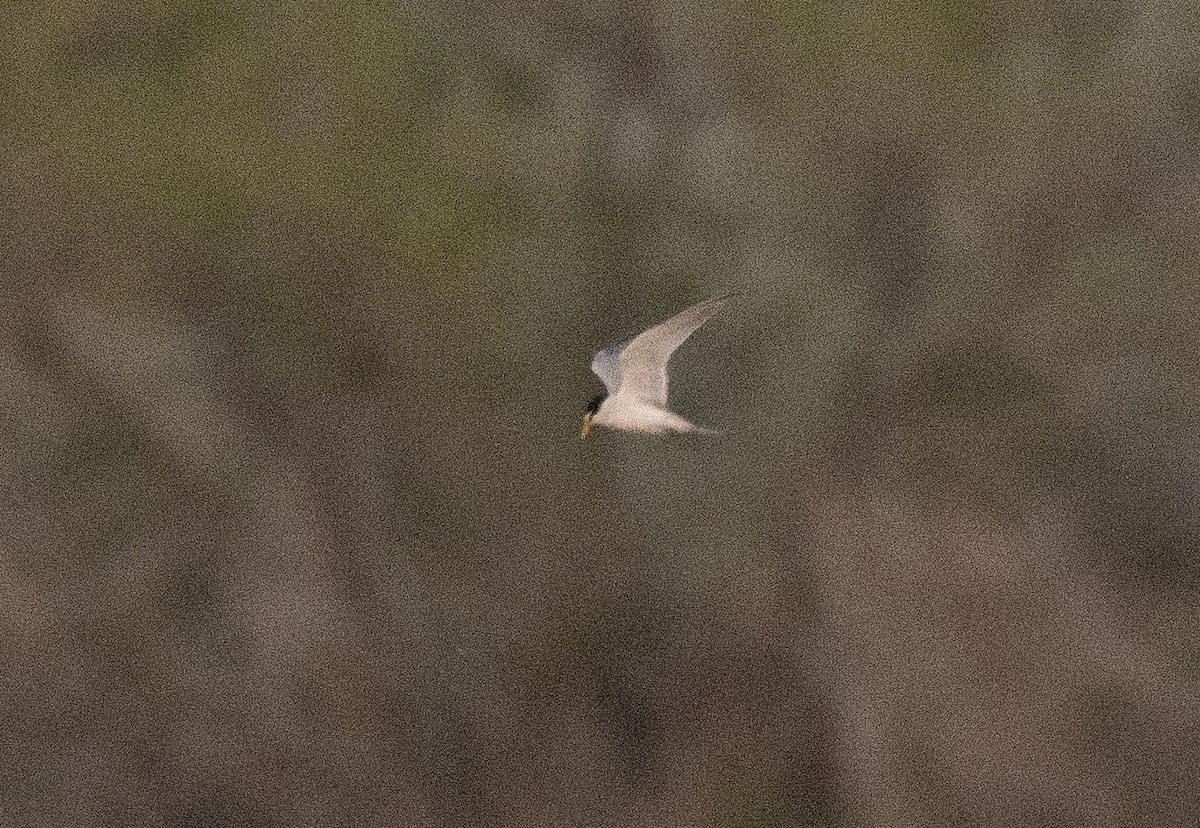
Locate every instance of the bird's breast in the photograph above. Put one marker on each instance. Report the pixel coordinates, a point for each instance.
(635, 415)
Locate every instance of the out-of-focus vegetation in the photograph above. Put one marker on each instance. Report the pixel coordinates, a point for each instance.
(298, 307)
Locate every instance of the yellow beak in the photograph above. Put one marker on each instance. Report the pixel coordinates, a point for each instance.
(587, 424)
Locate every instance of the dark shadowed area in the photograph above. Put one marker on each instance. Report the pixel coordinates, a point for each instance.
(298, 306)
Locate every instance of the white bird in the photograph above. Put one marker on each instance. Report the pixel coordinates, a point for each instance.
(635, 374)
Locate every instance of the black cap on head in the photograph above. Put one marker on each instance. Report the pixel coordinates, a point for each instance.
(594, 403)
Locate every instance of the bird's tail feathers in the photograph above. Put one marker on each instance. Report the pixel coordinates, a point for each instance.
(686, 426)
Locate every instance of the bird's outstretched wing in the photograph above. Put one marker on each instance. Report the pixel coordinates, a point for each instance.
(606, 364)
(641, 364)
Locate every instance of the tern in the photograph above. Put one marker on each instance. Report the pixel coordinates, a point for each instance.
(634, 373)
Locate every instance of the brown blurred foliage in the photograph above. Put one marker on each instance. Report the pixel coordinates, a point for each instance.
(298, 308)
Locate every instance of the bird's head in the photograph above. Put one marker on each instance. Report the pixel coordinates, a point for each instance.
(588, 413)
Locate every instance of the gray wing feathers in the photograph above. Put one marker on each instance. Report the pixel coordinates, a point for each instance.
(606, 364)
(642, 363)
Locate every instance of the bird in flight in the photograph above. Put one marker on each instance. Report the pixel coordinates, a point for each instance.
(634, 373)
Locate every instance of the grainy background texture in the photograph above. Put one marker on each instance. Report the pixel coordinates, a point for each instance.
(298, 302)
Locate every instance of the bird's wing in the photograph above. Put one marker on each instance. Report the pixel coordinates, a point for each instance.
(606, 364)
(642, 363)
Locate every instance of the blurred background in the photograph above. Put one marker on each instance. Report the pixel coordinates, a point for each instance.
(298, 307)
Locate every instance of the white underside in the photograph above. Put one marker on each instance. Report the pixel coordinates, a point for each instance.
(627, 414)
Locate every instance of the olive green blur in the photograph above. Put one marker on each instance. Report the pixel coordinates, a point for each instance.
(298, 307)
